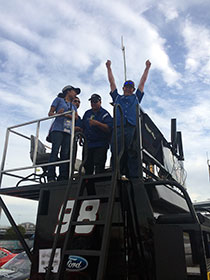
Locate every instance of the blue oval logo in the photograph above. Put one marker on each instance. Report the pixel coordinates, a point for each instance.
(76, 263)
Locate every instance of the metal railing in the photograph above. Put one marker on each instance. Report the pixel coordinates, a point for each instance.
(34, 165)
(118, 151)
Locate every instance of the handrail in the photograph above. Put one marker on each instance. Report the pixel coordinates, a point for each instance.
(4, 155)
(201, 209)
(118, 156)
(142, 151)
(34, 165)
(139, 140)
(71, 167)
(85, 147)
(40, 120)
(183, 190)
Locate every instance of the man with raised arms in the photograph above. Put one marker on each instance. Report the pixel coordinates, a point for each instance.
(128, 101)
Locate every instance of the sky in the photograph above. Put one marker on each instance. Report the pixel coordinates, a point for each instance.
(46, 45)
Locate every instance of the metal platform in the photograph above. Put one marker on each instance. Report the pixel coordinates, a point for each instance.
(33, 191)
(29, 191)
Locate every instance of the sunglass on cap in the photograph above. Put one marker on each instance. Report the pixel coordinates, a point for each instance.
(95, 96)
(129, 83)
(94, 100)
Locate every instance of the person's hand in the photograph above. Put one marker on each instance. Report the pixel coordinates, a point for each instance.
(108, 63)
(148, 64)
(77, 129)
(81, 141)
(68, 116)
(93, 122)
(60, 111)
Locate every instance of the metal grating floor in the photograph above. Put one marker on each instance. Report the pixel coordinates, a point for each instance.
(29, 191)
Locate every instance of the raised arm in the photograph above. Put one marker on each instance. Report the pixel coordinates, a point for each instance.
(110, 76)
(144, 76)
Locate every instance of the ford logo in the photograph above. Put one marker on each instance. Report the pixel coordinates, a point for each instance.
(76, 263)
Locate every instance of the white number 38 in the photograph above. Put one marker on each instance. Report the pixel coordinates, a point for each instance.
(88, 212)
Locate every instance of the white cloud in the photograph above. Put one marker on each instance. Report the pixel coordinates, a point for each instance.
(168, 9)
(142, 41)
(193, 121)
(172, 8)
(197, 41)
(46, 45)
(64, 42)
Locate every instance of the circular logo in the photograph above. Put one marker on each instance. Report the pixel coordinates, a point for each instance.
(76, 263)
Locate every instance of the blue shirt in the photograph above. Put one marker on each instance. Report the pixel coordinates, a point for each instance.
(78, 122)
(62, 123)
(96, 137)
(128, 104)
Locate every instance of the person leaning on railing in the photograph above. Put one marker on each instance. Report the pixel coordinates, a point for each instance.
(128, 101)
(60, 131)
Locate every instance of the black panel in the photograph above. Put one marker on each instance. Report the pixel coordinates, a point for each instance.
(169, 253)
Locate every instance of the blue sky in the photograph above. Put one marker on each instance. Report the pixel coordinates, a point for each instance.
(45, 45)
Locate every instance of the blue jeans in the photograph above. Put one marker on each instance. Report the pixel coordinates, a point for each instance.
(129, 164)
(96, 159)
(60, 141)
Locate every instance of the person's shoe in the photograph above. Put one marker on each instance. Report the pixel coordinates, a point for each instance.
(124, 178)
(51, 180)
(62, 178)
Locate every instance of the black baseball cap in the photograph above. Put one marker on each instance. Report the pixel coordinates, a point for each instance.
(95, 97)
(129, 83)
(70, 88)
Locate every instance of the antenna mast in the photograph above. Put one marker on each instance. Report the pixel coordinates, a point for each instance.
(208, 163)
(123, 51)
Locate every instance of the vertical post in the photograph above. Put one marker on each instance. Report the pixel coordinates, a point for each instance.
(139, 140)
(116, 161)
(36, 143)
(208, 163)
(71, 164)
(124, 61)
(118, 154)
(4, 155)
(173, 136)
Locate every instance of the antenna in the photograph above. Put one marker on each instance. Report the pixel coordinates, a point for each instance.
(208, 163)
(123, 51)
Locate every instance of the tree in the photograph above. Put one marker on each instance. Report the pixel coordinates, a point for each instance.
(11, 234)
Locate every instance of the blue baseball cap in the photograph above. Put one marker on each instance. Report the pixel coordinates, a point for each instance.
(95, 97)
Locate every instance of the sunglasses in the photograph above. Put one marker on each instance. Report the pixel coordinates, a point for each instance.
(76, 101)
(94, 101)
(128, 84)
